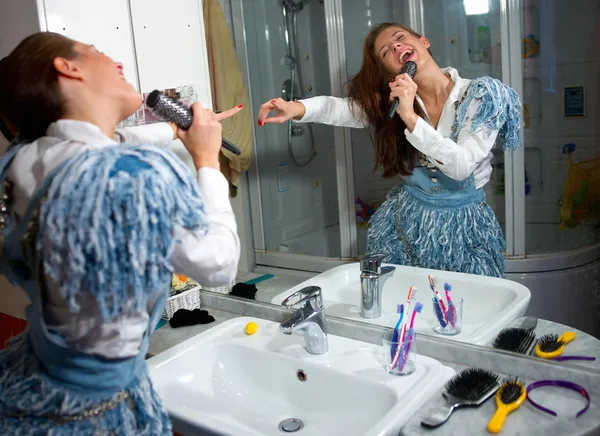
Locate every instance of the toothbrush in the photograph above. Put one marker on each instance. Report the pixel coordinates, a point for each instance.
(451, 307)
(396, 330)
(440, 307)
(412, 295)
(411, 334)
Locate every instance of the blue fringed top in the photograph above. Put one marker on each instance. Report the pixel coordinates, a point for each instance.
(500, 109)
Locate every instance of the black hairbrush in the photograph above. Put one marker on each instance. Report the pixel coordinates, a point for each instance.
(509, 397)
(515, 339)
(470, 387)
(175, 111)
(551, 342)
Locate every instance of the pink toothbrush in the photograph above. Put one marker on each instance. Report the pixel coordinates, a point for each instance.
(451, 307)
(412, 295)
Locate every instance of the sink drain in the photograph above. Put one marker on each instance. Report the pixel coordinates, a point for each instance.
(291, 425)
(301, 375)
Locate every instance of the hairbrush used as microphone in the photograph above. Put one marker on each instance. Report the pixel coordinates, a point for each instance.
(172, 110)
(409, 68)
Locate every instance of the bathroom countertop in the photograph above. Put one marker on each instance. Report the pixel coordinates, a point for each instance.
(525, 421)
(583, 345)
(166, 336)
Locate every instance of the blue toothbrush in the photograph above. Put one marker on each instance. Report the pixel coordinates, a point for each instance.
(438, 305)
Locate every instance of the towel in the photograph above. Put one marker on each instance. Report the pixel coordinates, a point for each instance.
(184, 318)
(228, 90)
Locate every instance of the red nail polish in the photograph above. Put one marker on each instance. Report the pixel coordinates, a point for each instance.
(260, 123)
(273, 101)
(240, 106)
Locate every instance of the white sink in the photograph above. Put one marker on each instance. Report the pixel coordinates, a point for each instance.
(230, 383)
(490, 304)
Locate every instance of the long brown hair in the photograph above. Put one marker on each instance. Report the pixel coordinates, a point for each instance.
(369, 90)
(30, 97)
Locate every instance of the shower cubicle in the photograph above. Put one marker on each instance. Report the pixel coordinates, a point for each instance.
(311, 189)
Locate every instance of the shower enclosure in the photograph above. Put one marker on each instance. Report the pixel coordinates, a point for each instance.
(311, 188)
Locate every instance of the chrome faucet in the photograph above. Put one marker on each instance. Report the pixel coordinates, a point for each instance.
(372, 278)
(310, 318)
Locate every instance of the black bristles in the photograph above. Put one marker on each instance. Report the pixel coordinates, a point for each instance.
(511, 390)
(550, 343)
(471, 384)
(514, 339)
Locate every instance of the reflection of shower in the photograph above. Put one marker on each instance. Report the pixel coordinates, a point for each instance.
(293, 88)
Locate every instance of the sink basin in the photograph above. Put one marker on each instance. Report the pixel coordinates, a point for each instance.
(490, 304)
(230, 383)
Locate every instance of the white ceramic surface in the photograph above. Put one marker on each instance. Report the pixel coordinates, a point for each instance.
(231, 383)
(490, 304)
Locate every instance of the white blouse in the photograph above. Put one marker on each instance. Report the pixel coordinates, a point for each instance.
(470, 154)
(211, 259)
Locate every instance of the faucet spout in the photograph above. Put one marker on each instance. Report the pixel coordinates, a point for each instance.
(309, 318)
(372, 279)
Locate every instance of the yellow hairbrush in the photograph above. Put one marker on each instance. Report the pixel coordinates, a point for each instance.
(551, 346)
(508, 398)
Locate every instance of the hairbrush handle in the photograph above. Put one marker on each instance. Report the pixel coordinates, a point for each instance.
(567, 337)
(230, 147)
(409, 68)
(497, 422)
(529, 323)
(439, 415)
(503, 409)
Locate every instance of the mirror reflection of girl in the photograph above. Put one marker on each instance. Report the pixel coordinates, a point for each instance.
(92, 232)
(439, 144)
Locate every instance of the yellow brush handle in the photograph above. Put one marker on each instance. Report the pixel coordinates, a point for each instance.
(502, 410)
(567, 337)
(497, 422)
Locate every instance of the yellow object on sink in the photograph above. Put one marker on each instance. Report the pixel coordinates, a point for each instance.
(551, 346)
(178, 281)
(251, 328)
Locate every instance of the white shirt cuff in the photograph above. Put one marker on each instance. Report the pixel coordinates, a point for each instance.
(312, 106)
(213, 185)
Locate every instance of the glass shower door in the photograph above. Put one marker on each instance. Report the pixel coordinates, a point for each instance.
(561, 71)
(295, 163)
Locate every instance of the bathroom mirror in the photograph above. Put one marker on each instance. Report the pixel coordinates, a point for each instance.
(311, 191)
